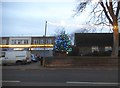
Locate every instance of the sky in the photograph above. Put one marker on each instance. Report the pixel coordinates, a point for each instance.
(28, 17)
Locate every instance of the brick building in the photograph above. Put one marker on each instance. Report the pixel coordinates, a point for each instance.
(90, 42)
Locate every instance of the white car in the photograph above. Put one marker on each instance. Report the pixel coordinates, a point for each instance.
(2, 60)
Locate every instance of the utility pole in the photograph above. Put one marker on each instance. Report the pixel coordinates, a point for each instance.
(45, 37)
(45, 27)
(44, 43)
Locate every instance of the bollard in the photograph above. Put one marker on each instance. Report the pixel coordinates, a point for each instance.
(43, 62)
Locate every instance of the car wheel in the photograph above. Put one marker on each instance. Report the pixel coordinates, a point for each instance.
(4, 64)
(18, 62)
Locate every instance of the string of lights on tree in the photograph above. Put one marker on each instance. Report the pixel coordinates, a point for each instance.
(62, 43)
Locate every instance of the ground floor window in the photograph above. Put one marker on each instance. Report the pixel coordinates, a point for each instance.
(95, 49)
(108, 48)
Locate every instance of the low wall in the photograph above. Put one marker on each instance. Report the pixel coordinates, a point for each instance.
(76, 61)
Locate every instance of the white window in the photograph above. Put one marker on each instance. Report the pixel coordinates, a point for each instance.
(95, 48)
(108, 48)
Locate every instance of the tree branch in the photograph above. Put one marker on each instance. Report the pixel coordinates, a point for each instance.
(118, 9)
(103, 23)
(111, 10)
(94, 8)
(105, 11)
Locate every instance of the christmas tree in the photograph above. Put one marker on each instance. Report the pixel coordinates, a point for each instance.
(62, 43)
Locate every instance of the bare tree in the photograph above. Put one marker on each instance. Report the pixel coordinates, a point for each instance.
(59, 30)
(104, 12)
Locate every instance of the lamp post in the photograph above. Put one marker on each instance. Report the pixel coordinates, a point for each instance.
(45, 27)
(45, 37)
(44, 42)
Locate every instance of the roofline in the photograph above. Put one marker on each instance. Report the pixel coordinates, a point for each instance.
(93, 33)
(23, 36)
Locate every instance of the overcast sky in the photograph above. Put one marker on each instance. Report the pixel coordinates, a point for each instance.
(27, 18)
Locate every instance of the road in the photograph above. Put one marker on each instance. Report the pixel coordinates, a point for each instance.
(59, 77)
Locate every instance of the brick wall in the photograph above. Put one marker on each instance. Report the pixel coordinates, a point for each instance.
(80, 61)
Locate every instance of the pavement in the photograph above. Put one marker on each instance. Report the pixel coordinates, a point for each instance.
(37, 66)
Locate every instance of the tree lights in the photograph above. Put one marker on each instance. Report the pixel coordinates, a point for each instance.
(62, 43)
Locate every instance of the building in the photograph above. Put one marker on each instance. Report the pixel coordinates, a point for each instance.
(37, 45)
(91, 42)
(43, 45)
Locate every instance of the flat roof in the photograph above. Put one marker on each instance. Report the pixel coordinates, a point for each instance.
(94, 39)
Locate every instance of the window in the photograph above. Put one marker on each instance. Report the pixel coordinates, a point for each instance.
(95, 48)
(19, 41)
(18, 48)
(35, 41)
(41, 41)
(4, 41)
(108, 48)
(14, 42)
(48, 41)
(25, 41)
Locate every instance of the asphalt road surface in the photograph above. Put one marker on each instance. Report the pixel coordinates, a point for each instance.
(59, 77)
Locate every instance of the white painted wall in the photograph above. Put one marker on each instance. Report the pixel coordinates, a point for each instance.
(20, 38)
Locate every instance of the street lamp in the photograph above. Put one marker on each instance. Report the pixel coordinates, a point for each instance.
(45, 40)
(45, 37)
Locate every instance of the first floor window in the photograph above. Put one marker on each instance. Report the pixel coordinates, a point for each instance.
(14, 42)
(25, 41)
(4, 41)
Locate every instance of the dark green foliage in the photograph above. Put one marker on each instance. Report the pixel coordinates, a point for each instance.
(62, 43)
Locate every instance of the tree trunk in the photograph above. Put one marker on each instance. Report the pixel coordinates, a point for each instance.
(115, 49)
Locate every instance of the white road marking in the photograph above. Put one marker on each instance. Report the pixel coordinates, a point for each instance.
(98, 83)
(10, 81)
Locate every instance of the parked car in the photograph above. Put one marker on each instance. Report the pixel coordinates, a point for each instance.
(0, 60)
(38, 57)
(16, 57)
(33, 58)
(2, 57)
